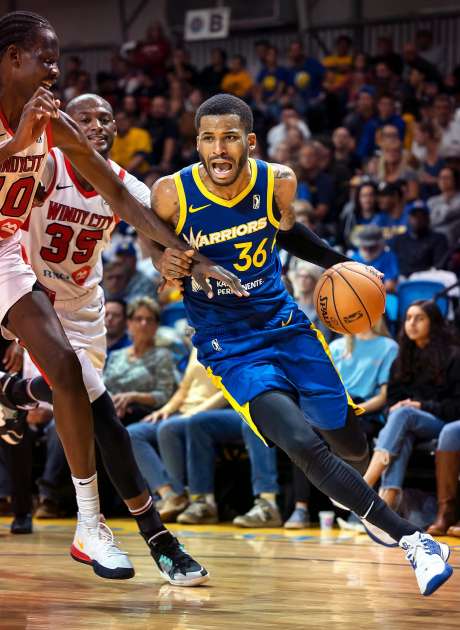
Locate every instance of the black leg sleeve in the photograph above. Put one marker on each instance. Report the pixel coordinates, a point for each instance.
(116, 450)
(280, 420)
(350, 442)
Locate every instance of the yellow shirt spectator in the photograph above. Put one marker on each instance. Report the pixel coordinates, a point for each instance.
(237, 81)
(129, 143)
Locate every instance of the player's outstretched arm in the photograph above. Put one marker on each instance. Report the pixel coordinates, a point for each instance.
(165, 203)
(294, 237)
(68, 136)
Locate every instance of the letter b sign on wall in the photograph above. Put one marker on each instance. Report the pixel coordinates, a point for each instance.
(207, 24)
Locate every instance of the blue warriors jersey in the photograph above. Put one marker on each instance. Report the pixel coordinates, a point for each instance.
(238, 234)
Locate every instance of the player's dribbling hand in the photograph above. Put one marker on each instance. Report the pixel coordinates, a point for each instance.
(203, 270)
(36, 114)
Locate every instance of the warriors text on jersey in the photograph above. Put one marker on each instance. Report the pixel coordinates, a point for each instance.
(239, 234)
(65, 237)
(19, 177)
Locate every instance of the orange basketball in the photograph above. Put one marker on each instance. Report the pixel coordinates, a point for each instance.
(349, 298)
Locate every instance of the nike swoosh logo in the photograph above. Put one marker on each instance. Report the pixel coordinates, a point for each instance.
(84, 483)
(286, 323)
(3, 134)
(59, 187)
(192, 209)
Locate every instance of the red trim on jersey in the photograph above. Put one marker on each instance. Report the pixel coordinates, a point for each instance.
(55, 174)
(88, 194)
(122, 174)
(49, 136)
(6, 124)
(25, 258)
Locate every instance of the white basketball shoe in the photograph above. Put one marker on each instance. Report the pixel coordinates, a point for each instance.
(428, 559)
(94, 544)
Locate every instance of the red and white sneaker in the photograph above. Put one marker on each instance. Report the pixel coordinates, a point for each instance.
(94, 544)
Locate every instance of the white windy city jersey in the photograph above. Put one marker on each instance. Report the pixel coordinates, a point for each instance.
(65, 237)
(19, 177)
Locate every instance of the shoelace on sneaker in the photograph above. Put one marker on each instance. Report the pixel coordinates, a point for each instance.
(429, 546)
(174, 551)
(105, 535)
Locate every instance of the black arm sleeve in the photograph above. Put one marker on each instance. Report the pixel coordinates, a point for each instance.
(305, 244)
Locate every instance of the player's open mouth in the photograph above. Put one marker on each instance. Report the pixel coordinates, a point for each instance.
(47, 84)
(221, 169)
(97, 139)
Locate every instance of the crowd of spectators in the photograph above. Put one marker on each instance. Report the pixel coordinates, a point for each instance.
(375, 143)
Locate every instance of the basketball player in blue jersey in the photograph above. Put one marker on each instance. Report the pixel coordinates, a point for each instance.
(261, 350)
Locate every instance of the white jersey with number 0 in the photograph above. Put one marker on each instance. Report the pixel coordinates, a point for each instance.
(20, 175)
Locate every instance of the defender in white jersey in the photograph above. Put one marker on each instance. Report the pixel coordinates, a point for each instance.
(64, 239)
(29, 53)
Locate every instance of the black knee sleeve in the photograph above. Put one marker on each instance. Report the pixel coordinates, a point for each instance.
(115, 446)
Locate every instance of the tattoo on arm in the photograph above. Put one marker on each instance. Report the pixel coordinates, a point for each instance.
(282, 172)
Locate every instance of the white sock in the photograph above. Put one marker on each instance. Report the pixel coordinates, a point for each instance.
(270, 497)
(87, 496)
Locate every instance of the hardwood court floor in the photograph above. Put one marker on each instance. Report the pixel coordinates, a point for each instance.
(261, 580)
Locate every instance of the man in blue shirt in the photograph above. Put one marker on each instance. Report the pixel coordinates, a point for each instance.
(306, 73)
(387, 115)
(373, 251)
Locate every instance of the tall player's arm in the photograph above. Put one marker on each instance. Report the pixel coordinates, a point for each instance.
(294, 237)
(71, 140)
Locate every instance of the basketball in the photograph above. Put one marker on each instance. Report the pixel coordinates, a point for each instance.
(349, 298)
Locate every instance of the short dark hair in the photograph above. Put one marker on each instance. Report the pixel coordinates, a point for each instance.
(223, 105)
(122, 303)
(20, 28)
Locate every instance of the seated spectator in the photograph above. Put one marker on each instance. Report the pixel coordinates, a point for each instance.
(195, 393)
(237, 81)
(393, 217)
(434, 55)
(131, 145)
(444, 117)
(344, 149)
(386, 81)
(365, 211)
(412, 58)
(116, 325)
(364, 361)
(140, 378)
(211, 76)
(339, 171)
(425, 148)
(445, 208)
(163, 130)
(304, 277)
(272, 78)
(195, 439)
(341, 62)
(423, 394)
(152, 54)
(313, 184)
(289, 119)
(182, 70)
(419, 248)
(386, 53)
(447, 472)
(356, 121)
(122, 279)
(373, 251)
(392, 166)
(386, 108)
(305, 73)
